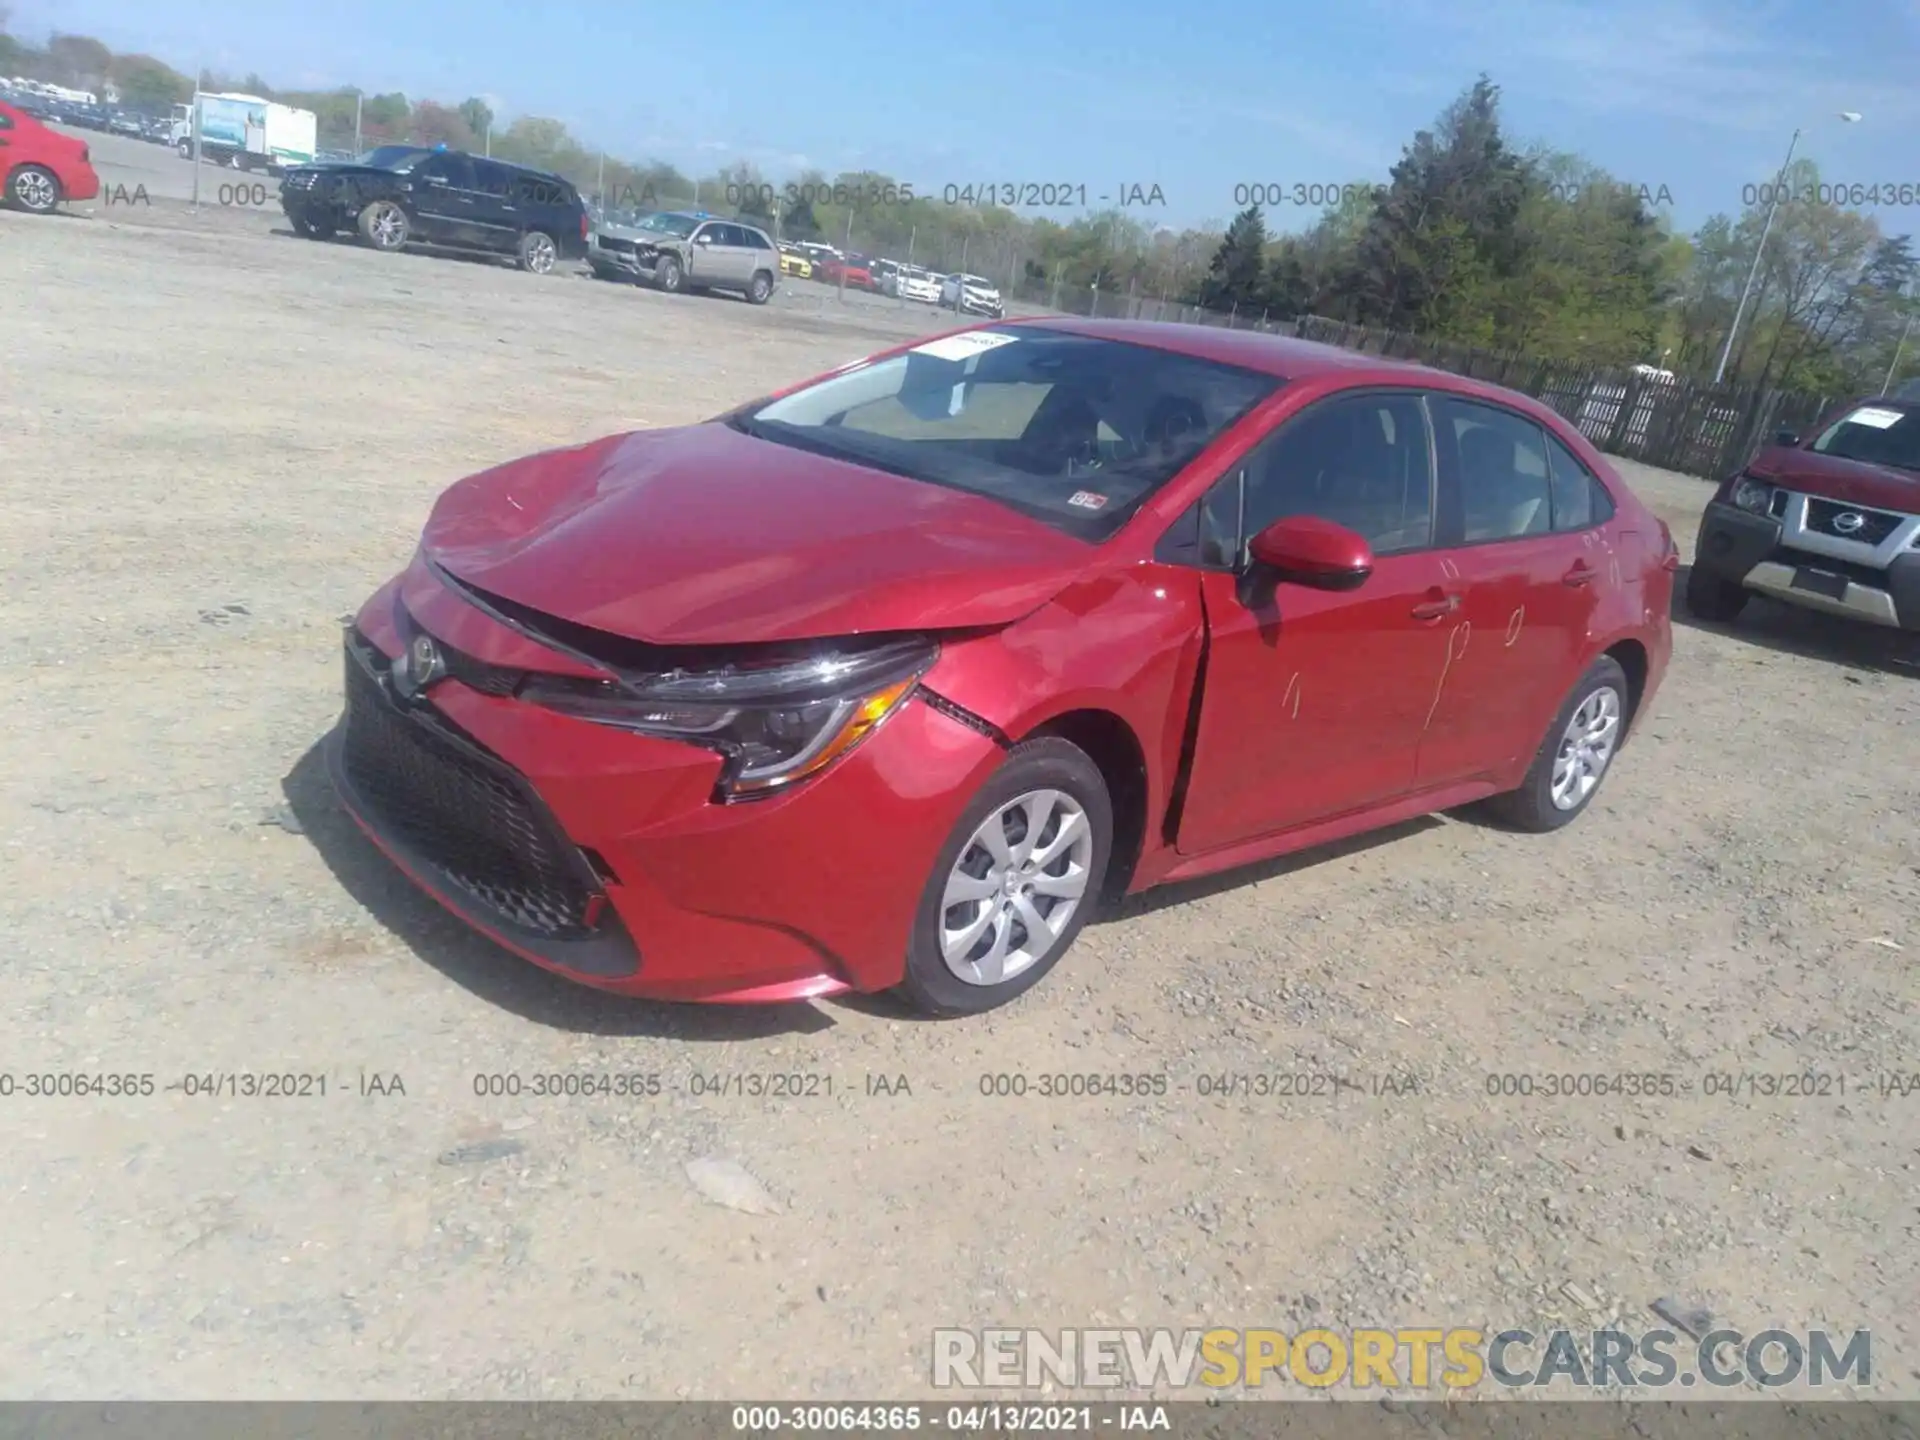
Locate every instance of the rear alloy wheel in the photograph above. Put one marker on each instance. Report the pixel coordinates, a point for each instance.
(1574, 758)
(384, 225)
(538, 253)
(1014, 884)
(1713, 599)
(34, 189)
(761, 289)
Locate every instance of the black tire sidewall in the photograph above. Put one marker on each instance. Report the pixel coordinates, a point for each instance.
(1046, 763)
(755, 294)
(1711, 598)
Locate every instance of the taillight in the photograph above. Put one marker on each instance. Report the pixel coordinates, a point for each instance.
(1669, 552)
(583, 224)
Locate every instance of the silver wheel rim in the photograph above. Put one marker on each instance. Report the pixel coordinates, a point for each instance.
(1586, 745)
(761, 288)
(35, 190)
(387, 221)
(539, 254)
(1016, 886)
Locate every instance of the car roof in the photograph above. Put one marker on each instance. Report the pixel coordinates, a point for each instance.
(1277, 355)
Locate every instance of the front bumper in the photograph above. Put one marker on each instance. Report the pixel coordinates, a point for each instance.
(658, 891)
(1755, 551)
(624, 264)
(992, 310)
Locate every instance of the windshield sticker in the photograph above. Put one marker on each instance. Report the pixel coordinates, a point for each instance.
(1088, 499)
(1876, 417)
(964, 346)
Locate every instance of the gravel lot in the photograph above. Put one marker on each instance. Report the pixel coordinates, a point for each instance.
(217, 439)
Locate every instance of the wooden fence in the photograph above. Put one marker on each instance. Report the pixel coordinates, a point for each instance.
(1685, 425)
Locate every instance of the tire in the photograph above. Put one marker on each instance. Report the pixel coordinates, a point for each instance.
(668, 276)
(538, 252)
(1034, 771)
(761, 290)
(1534, 805)
(384, 225)
(1713, 599)
(310, 230)
(34, 189)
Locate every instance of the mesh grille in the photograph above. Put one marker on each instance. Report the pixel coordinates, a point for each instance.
(462, 809)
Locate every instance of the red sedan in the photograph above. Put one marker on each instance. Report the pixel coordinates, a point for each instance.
(887, 681)
(40, 167)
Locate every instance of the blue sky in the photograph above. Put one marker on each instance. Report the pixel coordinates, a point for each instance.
(1197, 97)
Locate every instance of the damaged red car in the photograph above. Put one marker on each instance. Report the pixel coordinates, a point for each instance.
(890, 680)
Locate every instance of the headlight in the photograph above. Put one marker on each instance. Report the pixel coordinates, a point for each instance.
(777, 721)
(1754, 495)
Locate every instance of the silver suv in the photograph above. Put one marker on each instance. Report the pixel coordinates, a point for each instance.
(676, 250)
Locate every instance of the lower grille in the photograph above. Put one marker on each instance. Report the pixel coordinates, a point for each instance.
(1876, 525)
(614, 242)
(462, 809)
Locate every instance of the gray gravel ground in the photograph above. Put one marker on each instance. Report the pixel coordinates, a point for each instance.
(217, 439)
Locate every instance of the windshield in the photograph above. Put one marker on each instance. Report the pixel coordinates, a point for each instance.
(974, 282)
(1880, 434)
(393, 157)
(1073, 431)
(678, 226)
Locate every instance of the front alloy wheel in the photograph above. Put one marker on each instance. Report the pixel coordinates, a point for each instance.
(1018, 877)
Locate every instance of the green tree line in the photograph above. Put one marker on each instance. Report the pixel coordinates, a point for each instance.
(1471, 237)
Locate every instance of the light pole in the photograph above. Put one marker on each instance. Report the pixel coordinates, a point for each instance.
(1766, 229)
(1898, 351)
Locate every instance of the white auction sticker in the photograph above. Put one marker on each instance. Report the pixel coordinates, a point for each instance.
(965, 345)
(1876, 417)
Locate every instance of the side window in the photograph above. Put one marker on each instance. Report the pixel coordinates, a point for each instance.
(709, 233)
(494, 180)
(758, 240)
(1579, 499)
(1505, 490)
(1362, 462)
(455, 169)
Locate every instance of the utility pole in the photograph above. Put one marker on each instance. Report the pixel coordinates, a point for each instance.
(600, 182)
(1898, 350)
(193, 122)
(899, 300)
(357, 147)
(845, 253)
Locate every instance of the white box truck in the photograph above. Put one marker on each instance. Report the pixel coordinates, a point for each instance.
(246, 132)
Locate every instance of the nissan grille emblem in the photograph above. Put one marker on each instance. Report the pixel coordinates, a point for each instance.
(417, 667)
(1848, 521)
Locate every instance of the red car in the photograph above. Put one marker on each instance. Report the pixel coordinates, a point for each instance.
(887, 681)
(40, 167)
(854, 268)
(1832, 523)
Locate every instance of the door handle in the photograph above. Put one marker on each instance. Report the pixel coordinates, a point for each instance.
(1581, 574)
(1435, 609)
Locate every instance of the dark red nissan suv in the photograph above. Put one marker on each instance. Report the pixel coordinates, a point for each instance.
(1830, 523)
(887, 681)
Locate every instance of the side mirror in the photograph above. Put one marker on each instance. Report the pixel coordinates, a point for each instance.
(703, 240)
(1786, 437)
(1314, 552)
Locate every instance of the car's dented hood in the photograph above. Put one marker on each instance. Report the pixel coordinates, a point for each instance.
(1852, 482)
(702, 535)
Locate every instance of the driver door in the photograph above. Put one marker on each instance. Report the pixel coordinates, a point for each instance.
(707, 255)
(1313, 701)
(443, 199)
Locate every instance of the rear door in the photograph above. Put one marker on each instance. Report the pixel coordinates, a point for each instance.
(1528, 590)
(1313, 700)
(496, 205)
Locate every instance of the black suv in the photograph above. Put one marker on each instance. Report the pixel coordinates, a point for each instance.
(396, 194)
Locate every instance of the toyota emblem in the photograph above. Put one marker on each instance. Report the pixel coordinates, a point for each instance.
(1849, 522)
(417, 667)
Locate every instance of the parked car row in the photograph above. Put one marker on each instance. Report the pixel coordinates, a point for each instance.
(124, 120)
